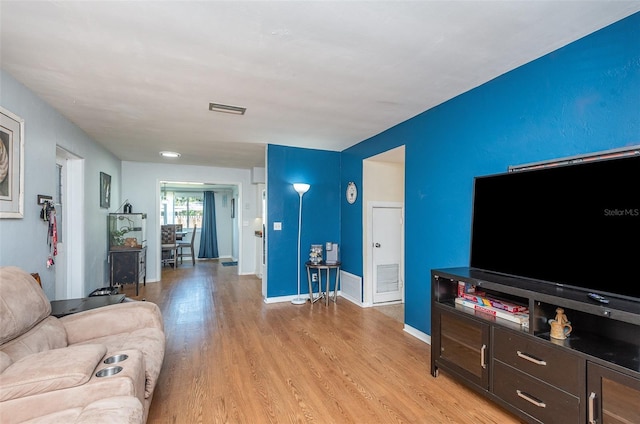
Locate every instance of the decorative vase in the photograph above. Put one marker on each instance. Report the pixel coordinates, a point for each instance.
(315, 254)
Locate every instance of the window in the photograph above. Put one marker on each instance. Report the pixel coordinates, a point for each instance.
(182, 208)
(188, 209)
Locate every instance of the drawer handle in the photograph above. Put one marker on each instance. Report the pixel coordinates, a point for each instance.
(592, 398)
(531, 358)
(531, 399)
(483, 351)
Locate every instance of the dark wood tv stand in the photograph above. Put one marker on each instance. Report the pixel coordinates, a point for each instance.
(591, 377)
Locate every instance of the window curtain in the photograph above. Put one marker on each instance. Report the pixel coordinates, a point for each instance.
(208, 235)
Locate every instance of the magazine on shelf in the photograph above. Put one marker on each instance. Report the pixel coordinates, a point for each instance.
(521, 318)
(495, 303)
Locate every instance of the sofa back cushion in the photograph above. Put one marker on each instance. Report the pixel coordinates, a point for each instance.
(47, 334)
(22, 303)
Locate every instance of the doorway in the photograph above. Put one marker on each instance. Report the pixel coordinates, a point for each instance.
(69, 198)
(383, 239)
(182, 202)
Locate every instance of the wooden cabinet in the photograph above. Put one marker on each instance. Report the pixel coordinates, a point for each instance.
(127, 248)
(128, 266)
(613, 397)
(462, 347)
(591, 377)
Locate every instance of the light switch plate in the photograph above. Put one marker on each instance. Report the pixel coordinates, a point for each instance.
(277, 226)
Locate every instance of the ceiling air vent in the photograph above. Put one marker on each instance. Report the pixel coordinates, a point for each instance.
(236, 110)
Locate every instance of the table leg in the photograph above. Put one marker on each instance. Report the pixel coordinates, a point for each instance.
(320, 294)
(327, 287)
(310, 287)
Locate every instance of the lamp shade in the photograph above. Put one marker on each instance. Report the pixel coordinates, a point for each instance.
(301, 188)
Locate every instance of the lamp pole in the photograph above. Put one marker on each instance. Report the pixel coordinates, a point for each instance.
(301, 188)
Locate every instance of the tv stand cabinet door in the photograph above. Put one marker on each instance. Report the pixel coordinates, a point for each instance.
(612, 397)
(463, 346)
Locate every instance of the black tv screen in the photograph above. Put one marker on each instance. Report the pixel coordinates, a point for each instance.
(576, 225)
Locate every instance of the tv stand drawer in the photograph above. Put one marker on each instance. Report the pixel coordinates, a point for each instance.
(557, 367)
(539, 400)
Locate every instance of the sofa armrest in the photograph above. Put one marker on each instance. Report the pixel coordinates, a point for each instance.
(129, 382)
(110, 320)
(50, 370)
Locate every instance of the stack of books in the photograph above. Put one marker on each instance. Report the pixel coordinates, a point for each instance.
(470, 297)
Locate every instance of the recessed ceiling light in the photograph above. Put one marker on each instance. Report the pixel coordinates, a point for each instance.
(217, 107)
(166, 154)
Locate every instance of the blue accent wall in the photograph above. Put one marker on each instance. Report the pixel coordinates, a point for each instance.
(582, 98)
(320, 212)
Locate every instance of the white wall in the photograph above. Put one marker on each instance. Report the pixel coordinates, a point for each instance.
(141, 185)
(23, 241)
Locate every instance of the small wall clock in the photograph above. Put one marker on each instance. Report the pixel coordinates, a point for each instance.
(352, 192)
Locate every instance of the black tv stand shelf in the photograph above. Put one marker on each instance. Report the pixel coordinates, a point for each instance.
(539, 378)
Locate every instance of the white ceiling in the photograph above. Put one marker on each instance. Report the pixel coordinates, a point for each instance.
(138, 76)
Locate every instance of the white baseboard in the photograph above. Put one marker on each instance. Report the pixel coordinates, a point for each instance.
(281, 299)
(349, 298)
(417, 334)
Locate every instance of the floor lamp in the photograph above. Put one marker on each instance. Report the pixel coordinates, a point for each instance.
(301, 189)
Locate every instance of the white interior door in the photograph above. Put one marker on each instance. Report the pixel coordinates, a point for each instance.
(387, 253)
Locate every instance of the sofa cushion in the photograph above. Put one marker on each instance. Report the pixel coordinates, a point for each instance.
(47, 334)
(28, 304)
(117, 409)
(50, 370)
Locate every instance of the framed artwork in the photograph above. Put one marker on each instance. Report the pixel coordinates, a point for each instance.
(11, 165)
(105, 190)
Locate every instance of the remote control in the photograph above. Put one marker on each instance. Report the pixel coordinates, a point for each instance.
(598, 298)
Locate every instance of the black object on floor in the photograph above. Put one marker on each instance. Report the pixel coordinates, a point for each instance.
(234, 263)
(104, 291)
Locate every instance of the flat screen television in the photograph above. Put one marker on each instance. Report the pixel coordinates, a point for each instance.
(575, 225)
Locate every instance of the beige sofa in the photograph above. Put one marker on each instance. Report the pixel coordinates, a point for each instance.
(50, 367)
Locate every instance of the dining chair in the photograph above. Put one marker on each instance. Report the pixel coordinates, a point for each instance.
(169, 244)
(188, 245)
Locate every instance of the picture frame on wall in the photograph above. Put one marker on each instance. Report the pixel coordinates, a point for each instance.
(105, 190)
(11, 165)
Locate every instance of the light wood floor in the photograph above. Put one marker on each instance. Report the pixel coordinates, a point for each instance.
(231, 358)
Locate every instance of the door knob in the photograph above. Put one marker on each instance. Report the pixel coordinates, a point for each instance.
(376, 245)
